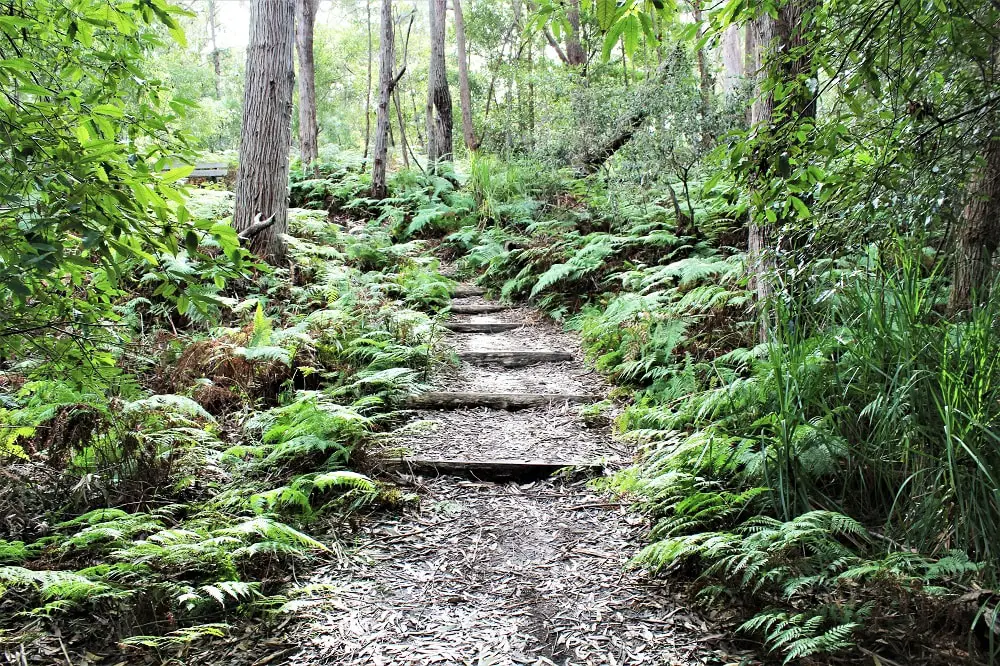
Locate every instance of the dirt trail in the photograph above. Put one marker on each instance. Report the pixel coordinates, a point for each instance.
(498, 573)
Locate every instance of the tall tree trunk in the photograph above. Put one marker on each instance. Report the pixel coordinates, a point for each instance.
(416, 115)
(305, 21)
(368, 92)
(978, 234)
(733, 60)
(266, 137)
(404, 144)
(216, 60)
(403, 141)
(387, 64)
(575, 55)
(439, 118)
(464, 92)
(705, 78)
(772, 39)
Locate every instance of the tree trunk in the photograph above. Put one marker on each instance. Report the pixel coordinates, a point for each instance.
(978, 235)
(265, 140)
(575, 55)
(439, 119)
(368, 93)
(387, 64)
(465, 93)
(305, 21)
(705, 78)
(772, 38)
(733, 60)
(404, 143)
(216, 60)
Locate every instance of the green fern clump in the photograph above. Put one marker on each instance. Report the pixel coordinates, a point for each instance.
(422, 286)
(299, 498)
(311, 431)
(799, 635)
(588, 259)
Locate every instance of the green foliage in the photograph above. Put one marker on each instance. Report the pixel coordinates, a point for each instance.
(89, 192)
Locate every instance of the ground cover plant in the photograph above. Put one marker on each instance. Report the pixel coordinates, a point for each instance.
(177, 494)
(773, 228)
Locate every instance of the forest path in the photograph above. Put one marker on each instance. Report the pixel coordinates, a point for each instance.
(497, 571)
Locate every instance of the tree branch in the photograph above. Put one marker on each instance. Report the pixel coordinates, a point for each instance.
(257, 227)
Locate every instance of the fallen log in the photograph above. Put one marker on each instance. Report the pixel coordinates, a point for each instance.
(641, 108)
(489, 470)
(506, 401)
(476, 309)
(514, 359)
(482, 326)
(465, 290)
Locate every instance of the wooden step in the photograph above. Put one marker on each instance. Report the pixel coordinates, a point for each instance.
(514, 359)
(507, 401)
(482, 326)
(476, 308)
(489, 470)
(465, 290)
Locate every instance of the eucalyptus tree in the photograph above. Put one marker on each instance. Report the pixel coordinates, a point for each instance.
(261, 207)
(305, 22)
(465, 92)
(387, 81)
(780, 60)
(439, 113)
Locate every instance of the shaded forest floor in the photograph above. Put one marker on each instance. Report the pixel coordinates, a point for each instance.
(504, 572)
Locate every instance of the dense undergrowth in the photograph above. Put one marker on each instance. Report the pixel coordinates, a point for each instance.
(222, 441)
(837, 482)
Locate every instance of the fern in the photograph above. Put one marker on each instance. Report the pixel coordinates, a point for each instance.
(587, 260)
(800, 635)
(179, 637)
(176, 404)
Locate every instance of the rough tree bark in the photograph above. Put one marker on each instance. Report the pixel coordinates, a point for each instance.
(464, 92)
(978, 234)
(575, 55)
(770, 41)
(439, 118)
(305, 22)
(387, 65)
(262, 178)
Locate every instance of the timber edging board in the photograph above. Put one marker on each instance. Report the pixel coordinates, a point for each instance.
(505, 401)
(488, 470)
(475, 309)
(482, 326)
(465, 290)
(514, 359)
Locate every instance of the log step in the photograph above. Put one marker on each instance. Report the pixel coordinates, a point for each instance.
(464, 290)
(482, 326)
(507, 401)
(514, 359)
(476, 309)
(489, 470)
